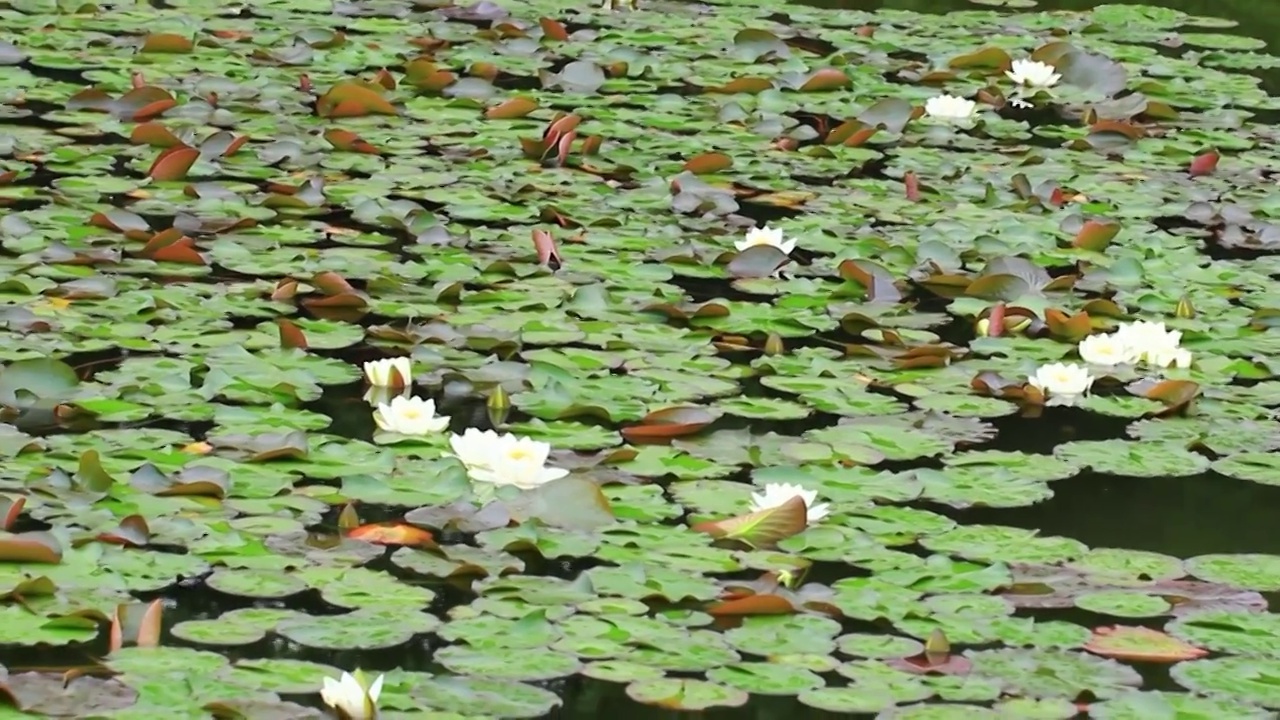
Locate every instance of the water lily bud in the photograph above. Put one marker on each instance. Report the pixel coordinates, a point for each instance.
(353, 697)
(773, 345)
(394, 373)
(937, 643)
(498, 405)
(1020, 324)
(984, 325)
(348, 518)
(1184, 309)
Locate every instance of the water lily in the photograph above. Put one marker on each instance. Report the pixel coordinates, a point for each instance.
(766, 236)
(525, 473)
(1033, 73)
(1061, 383)
(1106, 350)
(476, 448)
(1150, 341)
(377, 395)
(351, 698)
(505, 459)
(1170, 357)
(410, 416)
(383, 373)
(950, 108)
(775, 494)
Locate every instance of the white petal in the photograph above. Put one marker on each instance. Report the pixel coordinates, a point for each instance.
(551, 473)
(331, 692)
(376, 688)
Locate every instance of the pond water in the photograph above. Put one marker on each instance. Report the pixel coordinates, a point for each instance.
(208, 225)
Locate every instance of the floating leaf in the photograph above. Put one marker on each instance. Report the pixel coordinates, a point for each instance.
(826, 79)
(132, 532)
(545, 246)
(1096, 235)
(676, 694)
(878, 283)
(166, 43)
(352, 99)
(392, 534)
(349, 141)
(762, 604)
(891, 114)
(764, 528)
(26, 383)
(136, 624)
(749, 85)
(553, 30)
(154, 134)
(671, 422)
(988, 58)
(30, 547)
(266, 446)
(1204, 164)
(1070, 328)
(10, 510)
(708, 163)
(291, 336)
(571, 502)
(173, 163)
(199, 480)
(1174, 394)
(1141, 644)
(516, 107)
(757, 261)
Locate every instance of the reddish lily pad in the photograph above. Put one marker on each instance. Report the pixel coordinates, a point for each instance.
(671, 422)
(1141, 644)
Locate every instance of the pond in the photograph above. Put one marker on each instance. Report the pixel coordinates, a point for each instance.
(557, 362)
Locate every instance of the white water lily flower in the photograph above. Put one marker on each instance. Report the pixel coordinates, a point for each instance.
(379, 372)
(1033, 73)
(1106, 350)
(477, 448)
(410, 416)
(504, 459)
(1175, 357)
(950, 108)
(350, 698)
(518, 461)
(523, 471)
(766, 236)
(1149, 340)
(775, 494)
(381, 395)
(1061, 383)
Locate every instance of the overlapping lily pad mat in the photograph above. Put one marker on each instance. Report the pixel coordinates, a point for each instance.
(212, 213)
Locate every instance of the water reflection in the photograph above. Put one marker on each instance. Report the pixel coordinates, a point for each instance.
(1183, 517)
